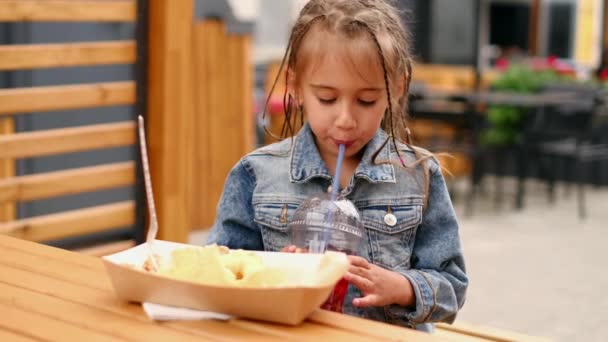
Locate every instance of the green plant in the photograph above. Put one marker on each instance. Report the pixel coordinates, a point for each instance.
(505, 121)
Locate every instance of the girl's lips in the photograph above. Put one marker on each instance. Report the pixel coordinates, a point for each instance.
(346, 143)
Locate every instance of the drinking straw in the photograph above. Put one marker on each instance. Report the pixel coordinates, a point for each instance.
(336, 183)
(320, 246)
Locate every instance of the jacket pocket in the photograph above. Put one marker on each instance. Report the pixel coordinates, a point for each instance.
(273, 219)
(391, 230)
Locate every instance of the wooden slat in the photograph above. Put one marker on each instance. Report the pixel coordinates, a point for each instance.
(66, 140)
(170, 120)
(423, 129)
(63, 255)
(444, 77)
(7, 170)
(38, 99)
(51, 184)
(366, 327)
(15, 336)
(221, 59)
(68, 10)
(72, 223)
(202, 49)
(449, 336)
(30, 260)
(243, 82)
(489, 334)
(306, 331)
(107, 249)
(32, 56)
(47, 328)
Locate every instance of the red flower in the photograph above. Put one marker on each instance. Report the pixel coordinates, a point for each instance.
(552, 60)
(502, 64)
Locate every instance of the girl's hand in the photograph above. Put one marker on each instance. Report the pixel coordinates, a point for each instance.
(289, 249)
(292, 249)
(379, 286)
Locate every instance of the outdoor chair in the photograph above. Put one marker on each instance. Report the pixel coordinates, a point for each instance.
(564, 142)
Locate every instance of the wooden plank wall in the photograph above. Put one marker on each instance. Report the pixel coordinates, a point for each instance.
(17, 101)
(223, 112)
(199, 122)
(67, 10)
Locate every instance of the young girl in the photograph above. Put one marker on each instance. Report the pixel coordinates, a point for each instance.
(348, 72)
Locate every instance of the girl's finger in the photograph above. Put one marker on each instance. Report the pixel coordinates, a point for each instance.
(363, 284)
(360, 271)
(358, 261)
(367, 301)
(289, 249)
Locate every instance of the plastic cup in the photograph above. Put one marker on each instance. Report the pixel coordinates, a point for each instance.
(320, 224)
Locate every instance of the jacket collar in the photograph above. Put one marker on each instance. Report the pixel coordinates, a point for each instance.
(306, 162)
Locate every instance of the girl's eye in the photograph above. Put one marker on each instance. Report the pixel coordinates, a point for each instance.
(366, 103)
(327, 101)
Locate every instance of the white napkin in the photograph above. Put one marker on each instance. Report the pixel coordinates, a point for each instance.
(159, 312)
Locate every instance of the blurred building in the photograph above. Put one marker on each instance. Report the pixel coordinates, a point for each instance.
(445, 31)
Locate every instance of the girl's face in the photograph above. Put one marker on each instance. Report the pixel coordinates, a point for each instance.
(343, 93)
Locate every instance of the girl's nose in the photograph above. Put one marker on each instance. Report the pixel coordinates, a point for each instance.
(345, 119)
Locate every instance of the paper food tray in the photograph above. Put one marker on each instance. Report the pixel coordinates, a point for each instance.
(309, 284)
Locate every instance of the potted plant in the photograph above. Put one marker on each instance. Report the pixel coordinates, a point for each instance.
(504, 122)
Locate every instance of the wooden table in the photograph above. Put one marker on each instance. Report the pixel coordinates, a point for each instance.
(52, 294)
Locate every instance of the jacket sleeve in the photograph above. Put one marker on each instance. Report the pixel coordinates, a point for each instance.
(438, 270)
(234, 226)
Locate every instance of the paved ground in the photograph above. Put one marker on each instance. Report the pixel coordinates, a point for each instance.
(539, 271)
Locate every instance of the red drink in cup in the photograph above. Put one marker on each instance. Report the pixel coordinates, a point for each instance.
(335, 301)
(320, 224)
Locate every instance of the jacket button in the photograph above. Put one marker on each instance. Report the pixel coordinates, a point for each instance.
(390, 219)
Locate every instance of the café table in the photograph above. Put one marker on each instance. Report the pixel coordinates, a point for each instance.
(51, 294)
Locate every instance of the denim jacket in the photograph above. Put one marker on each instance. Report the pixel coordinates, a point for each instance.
(265, 187)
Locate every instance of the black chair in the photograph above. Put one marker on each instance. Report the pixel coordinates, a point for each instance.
(561, 140)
